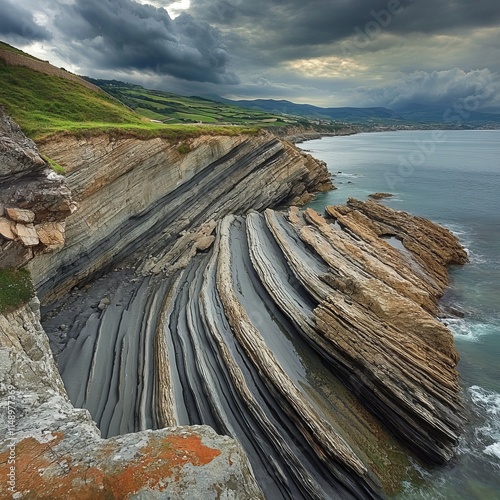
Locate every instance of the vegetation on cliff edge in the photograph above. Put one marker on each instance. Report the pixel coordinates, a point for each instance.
(16, 289)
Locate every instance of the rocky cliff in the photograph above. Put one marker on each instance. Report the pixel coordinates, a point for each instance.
(181, 299)
(34, 201)
(137, 196)
(323, 334)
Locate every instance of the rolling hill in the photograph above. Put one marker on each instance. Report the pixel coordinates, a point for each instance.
(415, 114)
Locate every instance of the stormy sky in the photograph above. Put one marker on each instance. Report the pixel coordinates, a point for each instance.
(390, 53)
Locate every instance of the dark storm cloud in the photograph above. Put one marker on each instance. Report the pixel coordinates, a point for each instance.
(123, 34)
(17, 22)
(295, 23)
(440, 88)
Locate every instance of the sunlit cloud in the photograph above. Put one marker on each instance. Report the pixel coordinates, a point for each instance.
(327, 67)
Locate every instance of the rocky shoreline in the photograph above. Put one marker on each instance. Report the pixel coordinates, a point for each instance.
(181, 299)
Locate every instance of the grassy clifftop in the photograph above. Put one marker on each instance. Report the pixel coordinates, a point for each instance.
(44, 104)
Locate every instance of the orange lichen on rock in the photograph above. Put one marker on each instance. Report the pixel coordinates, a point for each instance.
(160, 459)
(42, 472)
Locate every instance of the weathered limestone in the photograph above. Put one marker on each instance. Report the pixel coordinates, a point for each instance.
(433, 247)
(51, 234)
(27, 234)
(6, 229)
(298, 337)
(318, 431)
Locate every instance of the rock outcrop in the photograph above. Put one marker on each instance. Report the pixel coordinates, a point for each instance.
(273, 299)
(50, 449)
(34, 201)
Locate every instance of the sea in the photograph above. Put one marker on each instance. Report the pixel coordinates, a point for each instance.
(451, 177)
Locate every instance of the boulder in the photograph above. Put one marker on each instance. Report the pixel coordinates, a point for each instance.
(21, 215)
(51, 234)
(27, 234)
(6, 229)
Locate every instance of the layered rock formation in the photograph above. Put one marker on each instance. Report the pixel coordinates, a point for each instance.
(139, 195)
(53, 450)
(291, 315)
(126, 188)
(312, 341)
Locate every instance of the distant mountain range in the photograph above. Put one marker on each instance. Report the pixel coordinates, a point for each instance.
(416, 113)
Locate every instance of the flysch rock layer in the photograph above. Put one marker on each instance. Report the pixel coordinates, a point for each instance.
(51, 450)
(315, 346)
(136, 197)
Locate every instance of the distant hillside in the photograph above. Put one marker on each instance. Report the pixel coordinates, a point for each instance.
(454, 114)
(414, 114)
(173, 108)
(309, 111)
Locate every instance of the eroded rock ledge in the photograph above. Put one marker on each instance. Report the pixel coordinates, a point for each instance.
(34, 201)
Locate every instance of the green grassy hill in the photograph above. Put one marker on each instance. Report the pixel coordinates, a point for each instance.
(46, 100)
(174, 109)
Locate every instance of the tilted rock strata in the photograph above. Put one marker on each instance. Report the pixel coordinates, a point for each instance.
(432, 246)
(231, 325)
(393, 354)
(137, 196)
(215, 338)
(58, 450)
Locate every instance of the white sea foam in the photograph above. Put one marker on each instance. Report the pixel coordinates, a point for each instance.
(465, 329)
(493, 449)
(487, 400)
(487, 404)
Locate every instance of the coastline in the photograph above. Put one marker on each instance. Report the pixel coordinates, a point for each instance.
(450, 174)
(298, 135)
(352, 279)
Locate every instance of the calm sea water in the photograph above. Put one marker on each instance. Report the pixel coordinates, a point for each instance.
(452, 178)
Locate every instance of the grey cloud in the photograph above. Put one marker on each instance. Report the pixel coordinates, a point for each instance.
(281, 25)
(440, 88)
(123, 34)
(18, 23)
